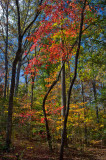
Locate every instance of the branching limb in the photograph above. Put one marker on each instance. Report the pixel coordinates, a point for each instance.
(44, 111)
(72, 83)
(31, 23)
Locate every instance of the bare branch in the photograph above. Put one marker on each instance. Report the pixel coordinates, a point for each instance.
(19, 24)
(36, 16)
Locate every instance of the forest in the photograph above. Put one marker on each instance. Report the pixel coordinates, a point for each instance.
(52, 80)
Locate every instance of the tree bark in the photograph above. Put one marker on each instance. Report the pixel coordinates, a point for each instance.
(32, 88)
(26, 83)
(71, 85)
(17, 57)
(6, 52)
(18, 76)
(63, 96)
(95, 97)
(85, 126)
(10, 108)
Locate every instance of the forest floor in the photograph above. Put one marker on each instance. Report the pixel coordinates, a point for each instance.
(34, 150)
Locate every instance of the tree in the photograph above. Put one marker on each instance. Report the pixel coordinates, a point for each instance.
(52, 50)
(6, 50)
(5, 8)
(72, 83)
(51, 42)
(21, 35)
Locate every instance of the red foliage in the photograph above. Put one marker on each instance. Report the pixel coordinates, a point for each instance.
(60, 19)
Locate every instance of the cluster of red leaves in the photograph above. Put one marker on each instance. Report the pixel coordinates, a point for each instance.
(60, 20)
(25, 116)
(54, 13)
(30, 115)
(56, 111)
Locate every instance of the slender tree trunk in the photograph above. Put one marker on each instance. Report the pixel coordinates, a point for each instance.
(71, 85)
(32, 88)
(8, 86)
(85, 126)
(44, 111)
(26, 83)
(6, 52)
(18, 76)
(17, 58)
(63, 96)
(10, 108)
(47, 129)
(95, 97)
(29, 133)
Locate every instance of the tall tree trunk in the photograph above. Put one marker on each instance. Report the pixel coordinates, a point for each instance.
(26, 83)
(95, 97)
(44, 111)
(63, 95)
(85, 126)
(10, 108)
(17, 58)
(8, 86)
(32, 95)
(32, 88)
(18, 76)
(71, 85)
(6, 52)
